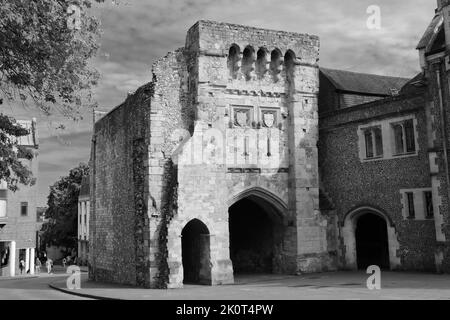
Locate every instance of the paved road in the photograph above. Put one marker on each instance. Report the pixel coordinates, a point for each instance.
(34, 289)
(328, 286)
(334, 285)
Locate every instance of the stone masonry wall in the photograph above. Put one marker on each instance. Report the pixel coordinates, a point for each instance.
(171, 121)
(119, 224)
(352, 183)
(438, 166)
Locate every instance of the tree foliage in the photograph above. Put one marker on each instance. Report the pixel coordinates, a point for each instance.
(45, 48)
(44, 56)
(62, 211)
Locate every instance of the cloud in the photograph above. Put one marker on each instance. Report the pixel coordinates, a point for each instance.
(138, 32)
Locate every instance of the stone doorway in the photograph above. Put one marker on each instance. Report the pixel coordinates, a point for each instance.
(372, 245)
(255, 236)
(195, 246)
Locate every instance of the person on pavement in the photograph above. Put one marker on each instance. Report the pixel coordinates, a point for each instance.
(21, 266)
(49, 265)
(38, 265)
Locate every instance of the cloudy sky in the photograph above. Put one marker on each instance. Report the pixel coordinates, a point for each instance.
(136, 32)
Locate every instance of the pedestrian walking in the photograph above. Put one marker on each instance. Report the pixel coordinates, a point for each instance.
(49, 265)
(21, 266)
(64, 261)
(38, 265)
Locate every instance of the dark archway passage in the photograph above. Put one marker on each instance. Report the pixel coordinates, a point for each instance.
(255, 236)
(195, 246)
(372, 246)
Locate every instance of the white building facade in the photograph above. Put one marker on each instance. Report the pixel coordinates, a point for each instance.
(83, 222)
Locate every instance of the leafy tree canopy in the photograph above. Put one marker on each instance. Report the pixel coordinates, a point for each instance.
(62, 211)
(45, 48)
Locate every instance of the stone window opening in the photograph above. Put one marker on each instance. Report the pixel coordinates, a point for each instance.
(404, 137)
(3, 208)
(276, 64)
(234, 61)
(410, 202)
(262, 64)
(3, 199)
(248, 63)
(24, 209)
(373, 142)
(428, 196)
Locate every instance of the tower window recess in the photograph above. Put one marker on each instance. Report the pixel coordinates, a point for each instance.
(248, 62)
(261, 63)
(234, 61)
(276, 63)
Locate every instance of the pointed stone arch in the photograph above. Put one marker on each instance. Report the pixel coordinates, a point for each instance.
(263, 194)
(348, 233)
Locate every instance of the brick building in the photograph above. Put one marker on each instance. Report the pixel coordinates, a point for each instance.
(18, 224)
(233, 161)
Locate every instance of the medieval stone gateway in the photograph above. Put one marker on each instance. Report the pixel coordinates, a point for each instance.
(221, 167)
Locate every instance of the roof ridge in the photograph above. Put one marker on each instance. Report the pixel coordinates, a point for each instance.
(364, 73)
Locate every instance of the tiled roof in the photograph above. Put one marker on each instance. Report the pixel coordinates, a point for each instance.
(363, 83)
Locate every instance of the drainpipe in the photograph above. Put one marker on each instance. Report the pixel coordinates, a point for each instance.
(443, 129)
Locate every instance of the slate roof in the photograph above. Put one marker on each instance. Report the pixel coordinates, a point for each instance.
(431, 31)
(413, 85)
(363, 83)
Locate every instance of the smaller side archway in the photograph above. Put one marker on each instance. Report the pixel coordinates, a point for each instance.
(369, 239)
(196, 255)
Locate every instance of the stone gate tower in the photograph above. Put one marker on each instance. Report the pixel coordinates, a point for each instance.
(212, 168)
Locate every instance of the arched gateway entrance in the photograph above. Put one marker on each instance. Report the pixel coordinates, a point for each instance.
(256, 235)
(196, 253)
(370, 239)
(372, 245)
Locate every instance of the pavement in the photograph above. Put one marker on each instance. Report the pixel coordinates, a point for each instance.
(323, 286)
(34, 287)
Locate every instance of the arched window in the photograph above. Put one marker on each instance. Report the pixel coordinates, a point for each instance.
(248, 62)
(276, 63)
(261, 63)
(234, 61)
(289, 64)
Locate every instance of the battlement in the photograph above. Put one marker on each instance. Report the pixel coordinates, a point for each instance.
(217, 38)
